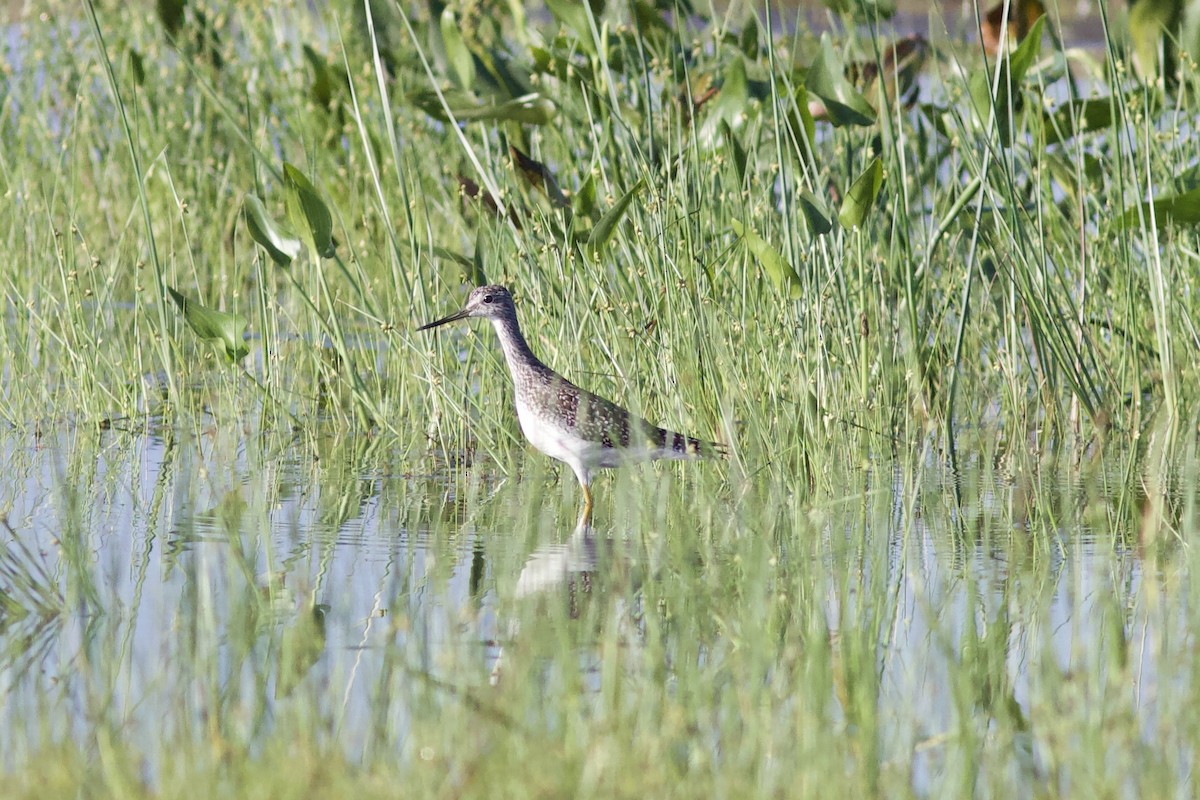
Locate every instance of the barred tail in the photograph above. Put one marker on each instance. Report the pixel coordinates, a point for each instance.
(675, 445)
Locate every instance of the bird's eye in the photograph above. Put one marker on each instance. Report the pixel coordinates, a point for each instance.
(487, 298)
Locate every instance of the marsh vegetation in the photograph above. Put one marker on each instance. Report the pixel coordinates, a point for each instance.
(259, 537)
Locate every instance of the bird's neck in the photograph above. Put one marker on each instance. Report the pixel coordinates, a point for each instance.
(516, 349)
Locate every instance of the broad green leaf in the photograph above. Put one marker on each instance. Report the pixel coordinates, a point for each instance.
(280, 245)
(516, 17)
(1004, 103)
(573, 14)
(601, 234)
(307, 212)
(1188, 179)
(584, 201)
(1152, 27)
(531, 109)
(815, 214)
(137, 67)
(300, 648)
(781, 273)
(1027, 51)
(1065, 173)
(462, 66)
(730, 105)
(207, 40)
(943, 121)
(800, 118)
(170, 14)
(827, 80)
(568, 67)
(650, 19)
(862, 195)
(1175, 209)
(496, 69)
(748, 38)
(226, 330)
(322, 85)
(1078, 117)
(1008, 100)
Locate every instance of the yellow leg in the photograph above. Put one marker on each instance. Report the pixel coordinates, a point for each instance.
(587, 505)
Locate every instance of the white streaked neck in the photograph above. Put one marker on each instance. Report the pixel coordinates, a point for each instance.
(516, 349)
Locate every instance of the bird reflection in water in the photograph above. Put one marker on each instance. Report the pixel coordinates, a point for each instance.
(574, 564)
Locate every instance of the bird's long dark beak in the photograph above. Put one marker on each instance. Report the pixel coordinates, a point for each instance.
(457, 315)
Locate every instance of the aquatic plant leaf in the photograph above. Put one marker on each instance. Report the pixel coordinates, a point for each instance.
(137, 67)
(530, 109)
(584, 202)
(280, 244)
(462, 65)
(1064, 172)
(1078, 117)
(827, 80)
(781, 273)
(574, 16)
(800, 119)
(1175, 209)
(1027, 51)
(730, 105)
(496, 68)
(862, 195)
(225, 329)
(170, 14)
(565, 63)
(208, 41)
(815, 214)
(979, 86)
(516, 18)
(1008, 100)
(748, 38)
(300, 648)
(321, 90)
(601, 234)
(1152, 27)
(650, 18)
(307, 212)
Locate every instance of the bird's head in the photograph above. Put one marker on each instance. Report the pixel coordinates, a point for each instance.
(493, 302)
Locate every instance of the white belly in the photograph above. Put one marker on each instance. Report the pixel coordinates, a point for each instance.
(556, 443)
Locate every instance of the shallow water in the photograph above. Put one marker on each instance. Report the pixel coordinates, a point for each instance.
(155, 577)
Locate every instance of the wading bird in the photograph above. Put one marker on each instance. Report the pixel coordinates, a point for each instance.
(563, 421)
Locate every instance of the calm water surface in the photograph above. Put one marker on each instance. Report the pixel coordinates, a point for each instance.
(184, 567)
